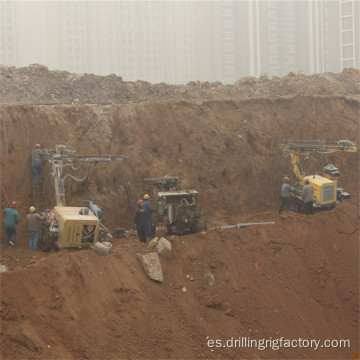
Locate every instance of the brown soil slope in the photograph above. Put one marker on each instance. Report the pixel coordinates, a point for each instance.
(287, 280)
(298, 278)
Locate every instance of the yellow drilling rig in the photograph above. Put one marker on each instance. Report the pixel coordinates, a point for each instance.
(326, 191)
(69, 226)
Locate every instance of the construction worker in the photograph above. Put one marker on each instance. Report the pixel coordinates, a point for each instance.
(34, 222)
(36, 160)
(285, 194)
(140, 219)
(148, 210)
(308, 196)
(12, 218)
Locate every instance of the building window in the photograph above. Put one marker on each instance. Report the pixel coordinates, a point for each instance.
(346, 23)
(273, 37)
(272, 15)
(289, 16)
(347, 37)
(228, 59)
(348, 64)
(228, 47)
(273, 26)
(271, 4)
(273, 59)
(227, 12)
(346, 8)
(347, 51)
(228, 70)
(289, 38)
(273, 48)
(227, 24)
(290, 60)
(227, 35)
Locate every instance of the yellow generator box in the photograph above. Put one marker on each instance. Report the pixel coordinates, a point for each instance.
(76, 229)
(324, 189)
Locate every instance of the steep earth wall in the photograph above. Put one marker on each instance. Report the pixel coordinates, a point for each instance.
(226, 150)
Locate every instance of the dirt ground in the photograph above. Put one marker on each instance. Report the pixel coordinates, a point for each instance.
(297, 278)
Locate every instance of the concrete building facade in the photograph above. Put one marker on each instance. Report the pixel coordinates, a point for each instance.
(181, 41)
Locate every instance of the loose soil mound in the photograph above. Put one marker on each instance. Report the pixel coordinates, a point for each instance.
(37, 85)
(297, 278)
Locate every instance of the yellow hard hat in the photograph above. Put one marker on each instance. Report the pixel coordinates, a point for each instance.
(32, 209)
(146, 196)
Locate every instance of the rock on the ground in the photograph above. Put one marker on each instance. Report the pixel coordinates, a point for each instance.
(209, 278)
(152, 266)
(102, 248)
(153, 242)
(3, 268)
(163, 248)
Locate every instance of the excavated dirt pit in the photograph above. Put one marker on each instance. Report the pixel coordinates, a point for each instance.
(297, 278)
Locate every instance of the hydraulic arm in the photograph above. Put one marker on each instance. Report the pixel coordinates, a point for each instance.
(302, 149)
(62, 157)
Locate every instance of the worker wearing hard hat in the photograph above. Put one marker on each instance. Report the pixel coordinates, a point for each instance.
(149, 210)
(12, 218)
(34, 222)
(36, 160)
(140, 219)
(285, 194)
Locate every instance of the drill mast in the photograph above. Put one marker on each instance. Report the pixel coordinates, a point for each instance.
(62, 157)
